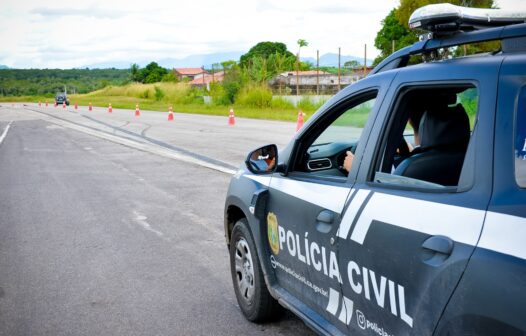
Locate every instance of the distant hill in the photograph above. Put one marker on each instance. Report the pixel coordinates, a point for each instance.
(3, 66)
(331, 60)
(22, 82)
(206, 60)
(192, 61)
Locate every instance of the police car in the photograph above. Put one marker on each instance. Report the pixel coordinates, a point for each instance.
(426, 232)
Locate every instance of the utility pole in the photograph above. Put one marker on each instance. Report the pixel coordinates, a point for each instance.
(339, 66)
(317, 72)
(365, 61)
(298, 74)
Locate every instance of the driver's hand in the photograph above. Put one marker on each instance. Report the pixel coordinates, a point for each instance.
(347, 163)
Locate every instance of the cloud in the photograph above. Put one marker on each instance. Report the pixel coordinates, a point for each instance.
(94, 12)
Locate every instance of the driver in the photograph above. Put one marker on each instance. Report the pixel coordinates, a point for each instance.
(414, 121)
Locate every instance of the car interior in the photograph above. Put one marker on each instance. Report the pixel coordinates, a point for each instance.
(424, 145)
(441, 133)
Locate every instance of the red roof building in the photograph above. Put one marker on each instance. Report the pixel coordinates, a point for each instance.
(188, 72)
(208, 78)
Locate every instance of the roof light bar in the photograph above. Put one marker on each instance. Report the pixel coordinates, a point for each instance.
(450, 18)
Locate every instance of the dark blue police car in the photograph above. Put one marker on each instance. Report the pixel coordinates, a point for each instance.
(426, 232)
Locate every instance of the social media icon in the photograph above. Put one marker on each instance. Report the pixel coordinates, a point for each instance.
(360, 318)
(273, 261)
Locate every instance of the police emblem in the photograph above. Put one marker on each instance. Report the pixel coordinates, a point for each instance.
(272, 232)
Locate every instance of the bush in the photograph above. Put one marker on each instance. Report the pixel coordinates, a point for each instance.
(306, 104)
(158, 93)
(218, 94)
(255, 96)
(281, 103)
(145, 94)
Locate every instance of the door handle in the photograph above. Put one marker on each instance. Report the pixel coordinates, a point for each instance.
(437, 249)
(324, 221)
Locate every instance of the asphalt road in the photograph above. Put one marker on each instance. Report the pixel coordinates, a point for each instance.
(101, 237)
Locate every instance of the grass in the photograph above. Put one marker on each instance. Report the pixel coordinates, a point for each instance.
(178, 95)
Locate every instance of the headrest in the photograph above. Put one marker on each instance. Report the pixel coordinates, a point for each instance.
(425, 101)
(444, 127)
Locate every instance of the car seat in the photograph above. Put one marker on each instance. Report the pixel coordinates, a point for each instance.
(444, 134)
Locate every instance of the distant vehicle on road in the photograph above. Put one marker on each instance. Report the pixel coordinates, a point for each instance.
(361, 228)
(61, 98)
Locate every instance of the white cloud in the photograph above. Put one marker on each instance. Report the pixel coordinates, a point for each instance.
(57, 34)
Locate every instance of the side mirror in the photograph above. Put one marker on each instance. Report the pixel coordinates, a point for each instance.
(263, 160)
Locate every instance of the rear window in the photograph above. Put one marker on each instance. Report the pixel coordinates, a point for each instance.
(520, 141)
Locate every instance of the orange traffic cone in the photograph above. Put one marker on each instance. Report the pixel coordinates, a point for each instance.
(63, 105)
(110, 109)
(76, 106)
(231, 117)
(137, 111)
(299, 125)
(90, 108)
(170, 114)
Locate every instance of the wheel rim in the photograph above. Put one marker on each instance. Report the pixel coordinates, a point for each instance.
(244, 270)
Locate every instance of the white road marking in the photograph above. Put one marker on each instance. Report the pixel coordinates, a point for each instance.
(141, 220)
(146, 147)
(4, 134)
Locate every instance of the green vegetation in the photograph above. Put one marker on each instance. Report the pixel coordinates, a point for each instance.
(152, 73)
(47, 82)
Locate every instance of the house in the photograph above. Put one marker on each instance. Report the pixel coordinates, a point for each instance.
(190, 73)
(207, 78)
(313, 81)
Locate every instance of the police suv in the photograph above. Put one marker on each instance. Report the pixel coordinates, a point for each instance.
(423, 230)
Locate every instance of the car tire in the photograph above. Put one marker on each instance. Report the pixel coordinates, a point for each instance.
(253, 297)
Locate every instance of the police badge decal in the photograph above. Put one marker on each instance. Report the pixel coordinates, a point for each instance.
(272, 232)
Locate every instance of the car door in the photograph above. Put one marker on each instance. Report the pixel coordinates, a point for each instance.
(404, 242)
(304, 205)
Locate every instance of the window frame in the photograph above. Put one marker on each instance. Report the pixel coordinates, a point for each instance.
(516, 115)
(325, 120)
(467, 176)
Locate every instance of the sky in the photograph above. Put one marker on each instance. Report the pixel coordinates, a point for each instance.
(68, 34)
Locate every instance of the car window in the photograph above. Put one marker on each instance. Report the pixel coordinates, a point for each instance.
(326, 147)
(427, 137)
(520, 141)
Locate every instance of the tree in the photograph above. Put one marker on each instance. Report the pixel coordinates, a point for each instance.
(301, 43)
(152, 73)
(392, 30)
(134, 72)
(264, 50)
(352, 64)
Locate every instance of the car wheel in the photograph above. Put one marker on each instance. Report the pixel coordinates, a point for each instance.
(252, 294)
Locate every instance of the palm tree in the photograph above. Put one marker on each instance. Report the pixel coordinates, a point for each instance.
(301, 43)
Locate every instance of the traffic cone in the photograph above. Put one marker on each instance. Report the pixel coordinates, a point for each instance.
(39, 103)
(110, 109)
(137, 111)
(90, 108)
(76, 106)
(299, 125)
(231, 117)
(170, 114)
(63, 105)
